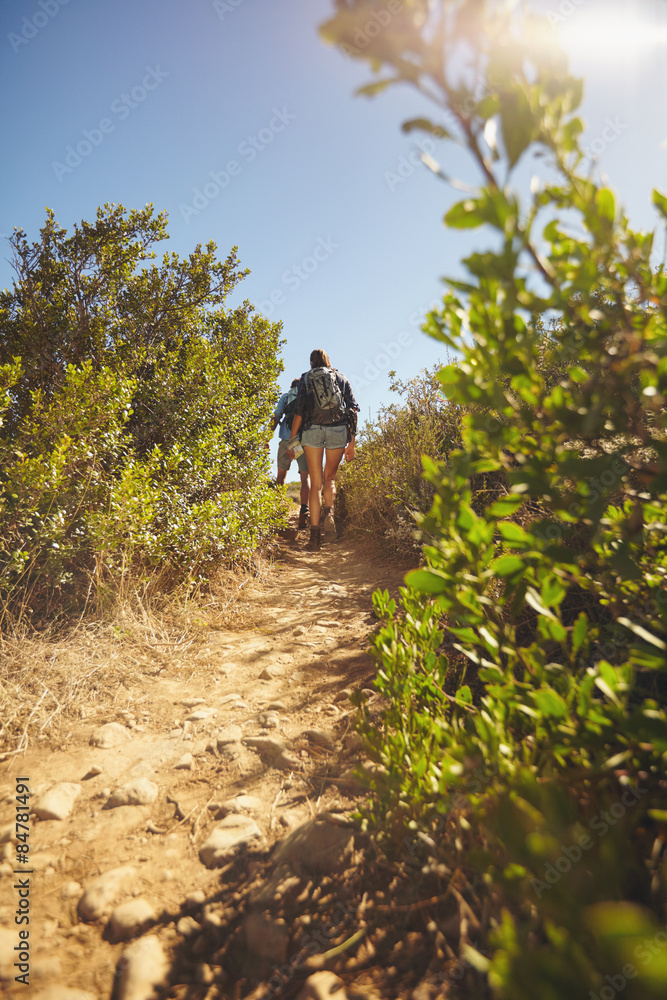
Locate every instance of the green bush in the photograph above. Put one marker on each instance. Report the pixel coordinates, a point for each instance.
(536, 774)
(134, 410)
(384, 489)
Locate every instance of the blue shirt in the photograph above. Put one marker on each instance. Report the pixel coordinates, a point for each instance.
(284, 433)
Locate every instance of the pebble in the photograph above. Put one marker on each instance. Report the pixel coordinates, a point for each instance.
(275, 706)
(323, 986)
(229, 734)
(70, 890)
(58, 802)
(271, 673)
(103, 891)
(266, 745)
(187, 926)
(195, 898)
(229, 698)
(111, 734)
(92, 772)
(137, 792)
(142, 967)
(192, 702)
(320, 737)
(200, 715)
(270, 720)
(226, 838)
(300, 630)
(130, 918)
(186, 763)
(317, 845)
(241, 804)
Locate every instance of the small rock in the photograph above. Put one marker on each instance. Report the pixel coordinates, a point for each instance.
(229, 698)
(187, 926)
(270, 720)
(71, 890)
(320, 737)
(186, 763)
(317, 845)
(343, 695)
(300, 630)
(130, 918)
(142, 968)
(271, 673)
(266, 936)
(112, 734)
(353, 741)
(229, 734)
(225, 839)
(323, 986)
(103, 891)
(241, 804)
(268, 746)
(58, 802)
(152, 828)
(195, 898)
(192, 702)
(275, 706)
(200, 715)
(137, 792)
(92, 772)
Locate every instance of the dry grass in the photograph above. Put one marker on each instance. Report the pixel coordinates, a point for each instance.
(61, 674)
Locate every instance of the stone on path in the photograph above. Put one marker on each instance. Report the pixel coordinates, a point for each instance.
(71, 890)
(130, 918)
(225, 839)
(300, 630)
(320, 737)
(241, 804)
(103, 891)
(186, 763)
(58, 802)
(229, 734)
(193, 702)
(268, 746)
(142, 968)
(230, 698)
(271, 673)
(137, 792)
(323, 986)
(200, 715)
(111, 734)
(318, 846)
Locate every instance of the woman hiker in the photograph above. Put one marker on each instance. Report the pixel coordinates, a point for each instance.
(325, 419)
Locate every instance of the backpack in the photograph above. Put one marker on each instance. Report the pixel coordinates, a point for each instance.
(288, 412)
(325, 396)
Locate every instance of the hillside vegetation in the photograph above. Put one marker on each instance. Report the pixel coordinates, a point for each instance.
(523, 747)
(133, 410)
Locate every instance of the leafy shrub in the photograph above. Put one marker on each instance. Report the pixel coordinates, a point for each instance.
(537, 777)
(384, 489)
(134, 407)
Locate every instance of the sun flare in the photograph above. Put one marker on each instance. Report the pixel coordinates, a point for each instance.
(613, 32)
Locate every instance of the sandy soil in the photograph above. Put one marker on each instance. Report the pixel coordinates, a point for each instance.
(306, 650)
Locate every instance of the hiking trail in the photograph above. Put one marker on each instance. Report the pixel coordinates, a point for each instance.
(208, 758)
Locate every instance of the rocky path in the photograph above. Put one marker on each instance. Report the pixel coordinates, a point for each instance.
(140, 820)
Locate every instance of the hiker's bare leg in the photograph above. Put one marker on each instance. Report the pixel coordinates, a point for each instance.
(331, 464)
(304, 487)
(280, 478)
(314, 460)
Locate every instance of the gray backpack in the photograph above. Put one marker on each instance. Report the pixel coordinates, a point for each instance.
(326, 397)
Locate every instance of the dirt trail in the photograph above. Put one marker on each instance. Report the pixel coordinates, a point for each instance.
(283, 681)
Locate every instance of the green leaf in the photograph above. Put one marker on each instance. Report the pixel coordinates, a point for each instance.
(517, 124)
(643, 633)
(464, 695)
(464, 215)
(426, 125)
(605, 204)
(505, 507)
(660, 202)
(513, 533)
(579, 631)
(507, 566)
(428, 581)
(550, 703)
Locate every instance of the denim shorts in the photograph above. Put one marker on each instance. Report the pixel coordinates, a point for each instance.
(325, 436)
(284, 461)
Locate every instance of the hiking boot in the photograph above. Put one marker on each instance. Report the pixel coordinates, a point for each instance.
(315, 543)
(325, 519)
(303, 520)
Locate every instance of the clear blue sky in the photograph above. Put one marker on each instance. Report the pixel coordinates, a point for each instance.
(171, 92)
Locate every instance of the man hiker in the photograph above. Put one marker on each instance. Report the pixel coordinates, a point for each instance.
(284, 415)
(325, 419)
